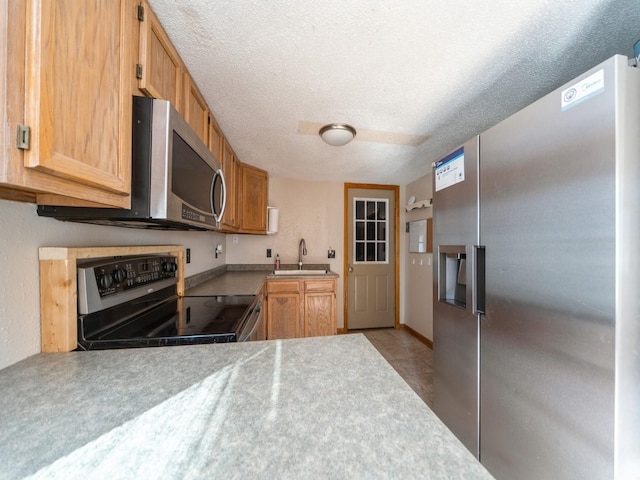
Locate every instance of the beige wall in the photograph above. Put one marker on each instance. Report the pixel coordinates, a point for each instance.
(416, 286)
(309, 210)
(23, 232)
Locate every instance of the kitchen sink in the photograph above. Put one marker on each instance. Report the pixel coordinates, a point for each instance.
(300, 272)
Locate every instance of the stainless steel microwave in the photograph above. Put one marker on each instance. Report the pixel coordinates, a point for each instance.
(176, 182)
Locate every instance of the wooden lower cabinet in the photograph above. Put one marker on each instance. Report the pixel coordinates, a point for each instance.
(284, 309)
(319, 307)
(301, 308)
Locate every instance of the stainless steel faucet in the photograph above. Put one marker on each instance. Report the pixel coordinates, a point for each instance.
(302, 250)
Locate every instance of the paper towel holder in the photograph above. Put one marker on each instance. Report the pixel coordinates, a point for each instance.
(272, 220)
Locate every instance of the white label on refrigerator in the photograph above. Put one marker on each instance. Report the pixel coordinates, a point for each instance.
(449, 170)
(581, 91)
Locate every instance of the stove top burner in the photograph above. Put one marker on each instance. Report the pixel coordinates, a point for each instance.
(142, 309)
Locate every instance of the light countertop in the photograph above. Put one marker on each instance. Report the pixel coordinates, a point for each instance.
(324, 407)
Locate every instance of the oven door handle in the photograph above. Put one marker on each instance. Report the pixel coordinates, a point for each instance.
(253, 319)
(244, 337)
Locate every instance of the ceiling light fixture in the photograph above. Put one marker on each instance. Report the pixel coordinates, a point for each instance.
(337, 134)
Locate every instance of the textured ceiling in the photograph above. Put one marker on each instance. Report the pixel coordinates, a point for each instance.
(445, 70)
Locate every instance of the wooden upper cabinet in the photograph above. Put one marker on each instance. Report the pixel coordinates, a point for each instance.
(216, 138)
(66, 79)
(230, 168)
(253, 199)
(160, 68)
(196, 112)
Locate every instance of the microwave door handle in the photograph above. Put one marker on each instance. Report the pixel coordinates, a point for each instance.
(218, 216)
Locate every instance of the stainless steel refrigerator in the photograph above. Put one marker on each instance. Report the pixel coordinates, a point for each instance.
(537, 284)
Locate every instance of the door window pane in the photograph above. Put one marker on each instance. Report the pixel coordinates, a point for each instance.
(371, 210)
(370, 230)
(371, 252)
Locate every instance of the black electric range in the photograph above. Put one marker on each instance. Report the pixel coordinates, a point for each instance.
(126, 302)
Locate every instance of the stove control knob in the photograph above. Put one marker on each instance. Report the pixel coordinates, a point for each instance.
(104, 281)
(119, 275)
(169, 267)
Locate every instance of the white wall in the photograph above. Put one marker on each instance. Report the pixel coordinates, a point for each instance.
(310, 210)
(23, 232)
(417, 277)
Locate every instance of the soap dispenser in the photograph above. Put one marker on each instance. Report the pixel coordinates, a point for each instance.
(277, 261)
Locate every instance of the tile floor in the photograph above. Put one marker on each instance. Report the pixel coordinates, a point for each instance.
(411, 358)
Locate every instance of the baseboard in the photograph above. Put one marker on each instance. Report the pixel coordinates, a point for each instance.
(419, 336)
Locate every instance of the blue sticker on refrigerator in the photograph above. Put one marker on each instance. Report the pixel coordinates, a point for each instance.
(449, 170)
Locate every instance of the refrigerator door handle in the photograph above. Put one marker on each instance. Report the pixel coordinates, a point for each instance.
(478, 292)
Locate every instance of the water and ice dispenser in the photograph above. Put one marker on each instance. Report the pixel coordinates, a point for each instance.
(453, 275)
(456, 276)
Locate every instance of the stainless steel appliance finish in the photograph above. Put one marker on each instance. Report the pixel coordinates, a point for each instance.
(456, 331)
(109, 282)
(132, 301)
(236, 317)
(559, 197)
(176, 182)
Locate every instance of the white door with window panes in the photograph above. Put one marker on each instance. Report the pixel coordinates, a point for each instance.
(371, 257)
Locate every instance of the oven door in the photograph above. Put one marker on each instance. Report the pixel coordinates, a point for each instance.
(253, 325)
(223, 315)
(163, 319)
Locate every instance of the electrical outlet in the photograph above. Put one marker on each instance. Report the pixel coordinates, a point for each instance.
(331, 254)
(188, 255)
(268, 253)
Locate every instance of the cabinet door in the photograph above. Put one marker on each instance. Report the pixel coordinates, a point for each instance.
(77, 95)
(319, 307)
(160, 69)
(284, 317)
(284, 309)
(215, 140)
(196, 112)
(230, 169)
(253, 199)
